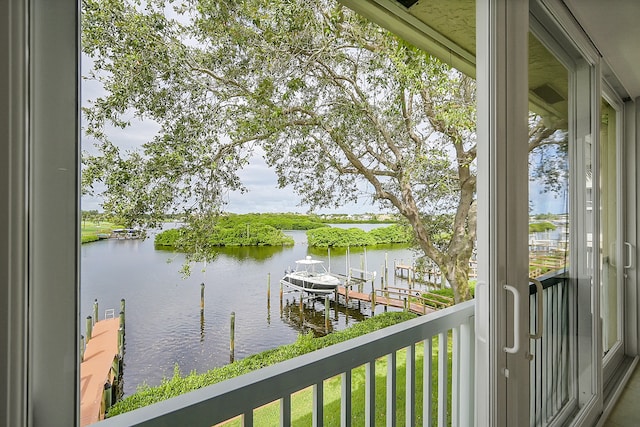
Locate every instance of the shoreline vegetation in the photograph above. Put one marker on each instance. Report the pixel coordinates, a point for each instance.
(240, 229)
(267, 230)
(90, 231)
(306, 343)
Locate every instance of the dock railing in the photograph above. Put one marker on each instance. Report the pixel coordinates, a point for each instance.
(402, 346)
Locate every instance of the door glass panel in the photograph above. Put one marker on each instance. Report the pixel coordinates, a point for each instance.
(549, 231)
(609, 239)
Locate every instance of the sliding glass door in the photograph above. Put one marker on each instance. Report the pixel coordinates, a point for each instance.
(612, 246)
(563, 223)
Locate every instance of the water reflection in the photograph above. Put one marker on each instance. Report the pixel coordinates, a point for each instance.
(308, 314)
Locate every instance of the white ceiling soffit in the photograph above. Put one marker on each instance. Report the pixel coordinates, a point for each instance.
(396, 18)
(614, 28)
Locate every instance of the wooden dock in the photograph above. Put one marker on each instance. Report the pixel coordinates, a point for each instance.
(412, 300)
(99, 370)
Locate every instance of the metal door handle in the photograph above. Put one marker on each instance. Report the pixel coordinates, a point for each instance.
(629, 254)
(539, 304)
(516, 320)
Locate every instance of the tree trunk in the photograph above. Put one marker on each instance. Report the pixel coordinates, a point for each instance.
(456, 270)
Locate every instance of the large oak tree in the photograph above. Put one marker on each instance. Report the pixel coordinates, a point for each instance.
(331, 100)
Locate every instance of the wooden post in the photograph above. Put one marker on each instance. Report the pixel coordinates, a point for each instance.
(373, 301)
(122, 311)
(81, 348)
(395, 272)
(95, 311)
(201, 296)
(121, 319)
(268, 286)
(89, 327)
(232, 345)
(281, 299)
(326, 312)
(346, 294)
(121, 341)
(386, 269)
(405, 304)
(106, 396)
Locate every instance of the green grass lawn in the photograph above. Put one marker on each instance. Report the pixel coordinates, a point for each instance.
(90, 230)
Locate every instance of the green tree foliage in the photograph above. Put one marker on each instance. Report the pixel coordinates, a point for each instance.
(340, 237)
(542, 226)
(279, 221)
(224, 234)
(329, 99)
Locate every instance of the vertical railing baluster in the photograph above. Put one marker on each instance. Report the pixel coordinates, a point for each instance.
(247, 419)
(391, 389)
(318, 404)
(466, 392)
(285, 411)
(455, 375)
(427, 379)
(370, 394)
(345, 404)
(442, 378)
(533, 324)
(410, 387)
(547, 369)
(556, 350)
(564, 332)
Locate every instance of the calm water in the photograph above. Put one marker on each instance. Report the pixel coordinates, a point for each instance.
(164, 323)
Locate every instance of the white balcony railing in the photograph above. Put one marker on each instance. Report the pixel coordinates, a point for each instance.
(550, 367)
(449, 331)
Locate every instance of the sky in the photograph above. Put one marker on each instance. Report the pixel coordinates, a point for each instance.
(263, 195)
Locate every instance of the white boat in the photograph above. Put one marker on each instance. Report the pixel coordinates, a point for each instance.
(310, 276)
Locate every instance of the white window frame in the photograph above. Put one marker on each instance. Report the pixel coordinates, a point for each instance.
(39, 159)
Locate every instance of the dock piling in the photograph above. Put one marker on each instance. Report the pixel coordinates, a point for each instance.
(82, 347)
(121, 319)
(122, 307)
(373, 302)
(106, 396)
(232, 337)
(121, 341)
(95, 311)
(268, 287)
(386, 268)
(326, 312)
(89, 327)
(201, 296)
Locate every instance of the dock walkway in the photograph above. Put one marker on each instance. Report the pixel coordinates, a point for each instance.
(96, 370)
(415, 300)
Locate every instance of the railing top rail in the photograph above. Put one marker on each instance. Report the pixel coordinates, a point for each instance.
(225, 400)
(550, 279)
